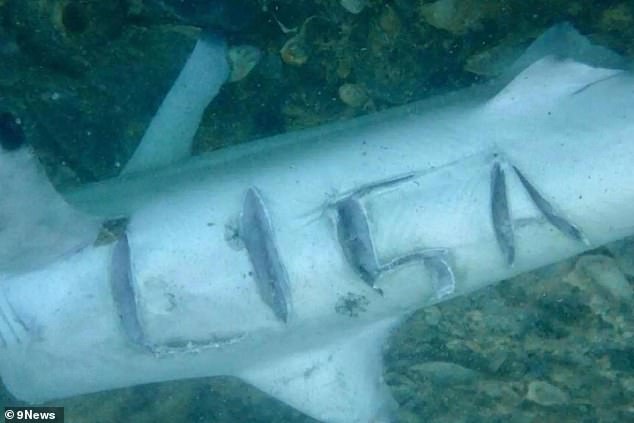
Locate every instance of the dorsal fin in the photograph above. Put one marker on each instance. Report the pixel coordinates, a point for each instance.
(565, 42)
(171, 132)
(559, 63)
(544, 83)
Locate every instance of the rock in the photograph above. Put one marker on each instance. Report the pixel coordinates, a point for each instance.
(444, 373)
(507, 395)
(543, 393)
(623, 252)
(432, 315)
(354, 6)
(295, 51)
(354, 95)
(496, 359)
(390, 22)
(604, 272)
(455, 16)
(242, 60)
(494, 61)
(617, 18)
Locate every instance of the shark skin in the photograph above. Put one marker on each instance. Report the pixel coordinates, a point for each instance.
(288, 261)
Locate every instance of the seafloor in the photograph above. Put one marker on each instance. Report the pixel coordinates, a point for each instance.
(85, 76)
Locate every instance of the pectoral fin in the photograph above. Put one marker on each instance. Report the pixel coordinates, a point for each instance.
(337, 383)
(171, 132)
(36, 225)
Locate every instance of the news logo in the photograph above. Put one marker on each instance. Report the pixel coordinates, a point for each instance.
(33, 414)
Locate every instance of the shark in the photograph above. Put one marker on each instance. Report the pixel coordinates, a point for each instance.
(288, 261)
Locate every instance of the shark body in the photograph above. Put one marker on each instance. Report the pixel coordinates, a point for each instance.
(288, 261)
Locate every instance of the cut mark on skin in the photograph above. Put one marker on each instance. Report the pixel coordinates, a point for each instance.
(549, 211)
(598, 81)
(270, 274)
(501, 214)
(443, 277)
(123, 291)
(194, 347)
(436, 260)
(367, 189)
(336, 198)
(354, 236)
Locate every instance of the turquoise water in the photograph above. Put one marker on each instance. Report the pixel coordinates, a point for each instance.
(86, 76)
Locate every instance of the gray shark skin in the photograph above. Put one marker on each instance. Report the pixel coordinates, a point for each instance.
(286, 262)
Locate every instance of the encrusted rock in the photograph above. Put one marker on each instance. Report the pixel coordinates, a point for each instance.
(456, 16)
(294, 51)
(444, 373)
(354, 6)
(623, 253)
(354, 95)
(543, 393)
(242, 60)
(617, 18)
(605, 273)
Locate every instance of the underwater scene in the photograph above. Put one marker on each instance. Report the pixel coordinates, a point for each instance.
(414, 211)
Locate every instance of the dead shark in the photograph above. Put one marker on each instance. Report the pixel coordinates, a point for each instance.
(288, 261)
